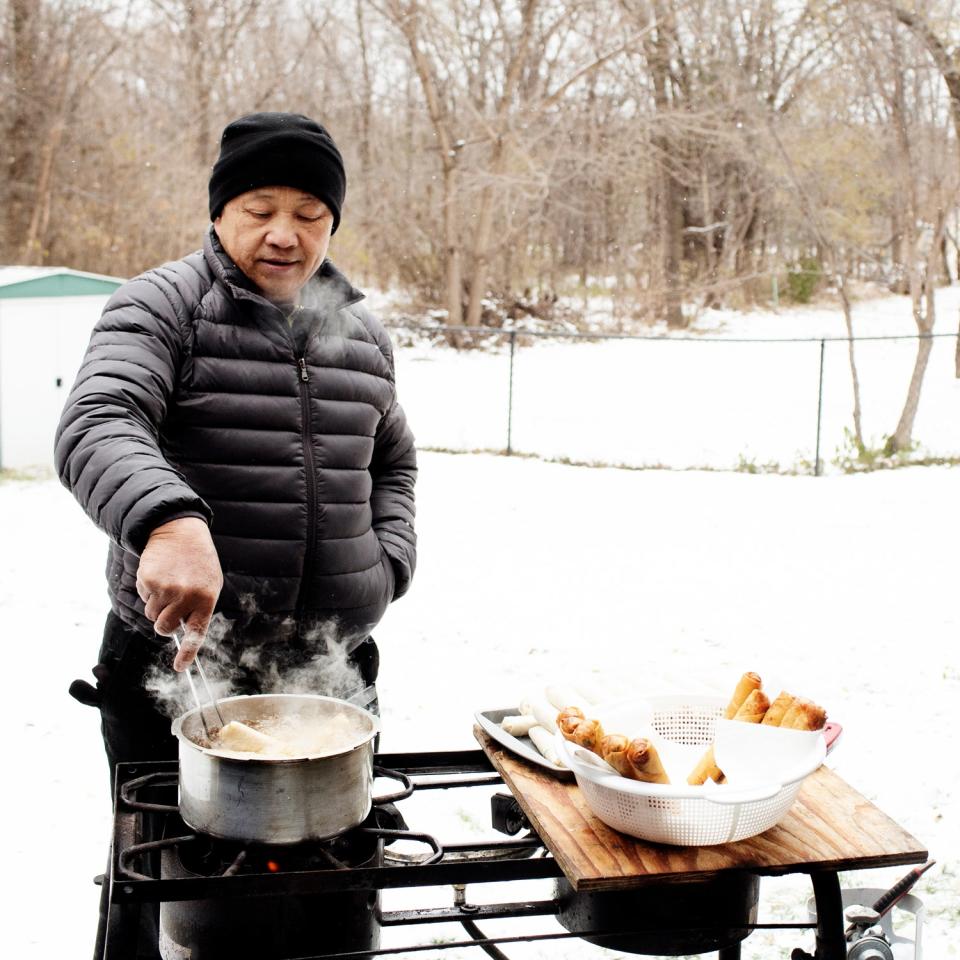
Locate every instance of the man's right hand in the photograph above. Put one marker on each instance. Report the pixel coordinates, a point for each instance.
(179, 580)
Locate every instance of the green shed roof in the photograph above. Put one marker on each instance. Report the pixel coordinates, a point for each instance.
(30, 282)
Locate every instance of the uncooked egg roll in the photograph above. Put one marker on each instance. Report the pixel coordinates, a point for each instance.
(543, 741)
(518, 726)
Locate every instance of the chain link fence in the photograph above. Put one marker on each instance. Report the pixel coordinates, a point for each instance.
(779, 405)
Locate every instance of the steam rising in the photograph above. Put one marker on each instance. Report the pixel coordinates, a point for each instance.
(282, 661)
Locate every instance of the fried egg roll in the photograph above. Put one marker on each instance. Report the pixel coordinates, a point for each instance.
(804, 715)
(645, 761)
(613, 749)
(774, 715)
(706, 769)
(746, 685)
(588, 734)
(753, 709)
(568, 719)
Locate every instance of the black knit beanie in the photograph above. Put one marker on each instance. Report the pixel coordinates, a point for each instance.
(277, 150)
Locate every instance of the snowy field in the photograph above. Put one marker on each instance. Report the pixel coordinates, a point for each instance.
(531, 572)
(702, 400)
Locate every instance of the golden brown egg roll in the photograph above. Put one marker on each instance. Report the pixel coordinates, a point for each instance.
(804, 715)
(613, 749)
(753, 708)
(588, 734)
(568, 719)
(746, 685)
(774, 715)
(706, 769)
(645, 761)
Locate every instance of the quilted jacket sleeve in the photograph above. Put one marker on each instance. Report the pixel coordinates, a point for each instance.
(107, 450)
(394, 473)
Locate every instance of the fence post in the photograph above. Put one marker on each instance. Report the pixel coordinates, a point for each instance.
(816, 467)
(513, 347)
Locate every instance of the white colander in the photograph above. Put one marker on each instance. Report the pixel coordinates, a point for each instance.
(677, 813)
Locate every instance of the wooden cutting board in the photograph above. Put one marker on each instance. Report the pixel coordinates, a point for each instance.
(829, 827)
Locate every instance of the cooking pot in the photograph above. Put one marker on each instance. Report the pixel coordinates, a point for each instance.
(284, 800)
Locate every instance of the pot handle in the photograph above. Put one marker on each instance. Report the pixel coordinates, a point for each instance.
(407, 790)
(409, 835)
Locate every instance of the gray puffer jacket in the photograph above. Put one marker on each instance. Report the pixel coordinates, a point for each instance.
(197, 398)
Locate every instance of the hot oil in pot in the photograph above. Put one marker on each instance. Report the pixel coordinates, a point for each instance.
(288, 735)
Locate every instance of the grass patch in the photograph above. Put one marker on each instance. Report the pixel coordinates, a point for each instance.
(855, 457)
(800, 468)
(26, 475)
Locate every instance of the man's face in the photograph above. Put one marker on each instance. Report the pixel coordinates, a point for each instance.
(277, 236)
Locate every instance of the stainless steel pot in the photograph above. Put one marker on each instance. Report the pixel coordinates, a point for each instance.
(278, 801)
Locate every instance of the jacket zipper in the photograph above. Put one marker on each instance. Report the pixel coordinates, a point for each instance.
(307, 434)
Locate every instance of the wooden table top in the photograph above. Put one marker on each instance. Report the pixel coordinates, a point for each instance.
(829, 827)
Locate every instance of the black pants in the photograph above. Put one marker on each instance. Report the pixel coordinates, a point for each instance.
(134, 727)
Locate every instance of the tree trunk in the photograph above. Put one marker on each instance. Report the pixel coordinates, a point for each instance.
(851, 356)
(451, 243)
(18, 155)
(33, 248)
(482, 237)
(366, 97)
(668, 191)
(196, 35)
(903, 435)
(407, 21)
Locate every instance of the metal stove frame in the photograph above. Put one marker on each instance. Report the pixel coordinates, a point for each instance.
(125, 889)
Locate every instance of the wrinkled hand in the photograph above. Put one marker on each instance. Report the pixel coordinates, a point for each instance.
(179, 580)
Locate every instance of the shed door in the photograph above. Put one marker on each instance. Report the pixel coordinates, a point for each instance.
(42, 342)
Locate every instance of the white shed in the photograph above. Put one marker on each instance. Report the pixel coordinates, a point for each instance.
(46, 317)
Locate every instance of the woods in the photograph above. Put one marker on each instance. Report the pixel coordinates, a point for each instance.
(505, 153)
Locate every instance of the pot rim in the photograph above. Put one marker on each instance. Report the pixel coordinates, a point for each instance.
(177, 730)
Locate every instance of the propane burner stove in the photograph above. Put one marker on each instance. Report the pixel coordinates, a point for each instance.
(174, 894)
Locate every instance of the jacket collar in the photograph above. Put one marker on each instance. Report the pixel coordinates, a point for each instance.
(328, 286)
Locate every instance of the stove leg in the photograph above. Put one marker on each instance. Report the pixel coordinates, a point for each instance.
(831, 943)
(729, 953)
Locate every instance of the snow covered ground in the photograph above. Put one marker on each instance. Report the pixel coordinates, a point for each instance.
(695, 401)
(531, 572)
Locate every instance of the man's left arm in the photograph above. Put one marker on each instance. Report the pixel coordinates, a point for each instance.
(394, 473)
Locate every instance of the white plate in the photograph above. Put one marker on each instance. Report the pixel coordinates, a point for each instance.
(521, 746)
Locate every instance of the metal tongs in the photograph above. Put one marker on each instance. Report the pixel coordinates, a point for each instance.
(178, 636)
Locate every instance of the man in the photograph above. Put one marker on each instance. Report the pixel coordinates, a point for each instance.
(234, 429)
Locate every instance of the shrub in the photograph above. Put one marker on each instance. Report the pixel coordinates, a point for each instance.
(803, 279)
